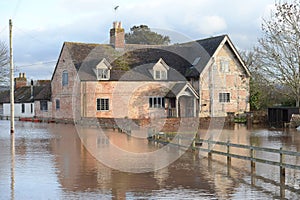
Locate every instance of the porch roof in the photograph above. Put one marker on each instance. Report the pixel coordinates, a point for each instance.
(178, 89)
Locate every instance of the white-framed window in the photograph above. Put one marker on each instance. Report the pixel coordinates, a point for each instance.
(65, 78)
(224, 97)
(103, 74)
(160, 75)
(224, 65)
(156, 102)
(102, 104)
(43, 105)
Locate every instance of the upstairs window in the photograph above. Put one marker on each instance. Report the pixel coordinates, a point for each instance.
(103, 70)
(224, 97)
(160, 70)
(160, 75)
(224, 66)
(102, 104)
(65, 78)
(157, 102)
(103, 74)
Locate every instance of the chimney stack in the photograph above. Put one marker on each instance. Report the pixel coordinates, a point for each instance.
(20, 81)
(117, 36)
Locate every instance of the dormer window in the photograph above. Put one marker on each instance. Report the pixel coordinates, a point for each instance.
(160, 75)
(160, 70)
(103, 70)
(103, 74)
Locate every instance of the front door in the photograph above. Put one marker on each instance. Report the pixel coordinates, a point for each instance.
(186, 106)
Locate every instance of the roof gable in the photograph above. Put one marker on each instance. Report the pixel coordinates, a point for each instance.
(103, 64)
(182, 89)
(226, 40)
(161, 65)
(188, 59)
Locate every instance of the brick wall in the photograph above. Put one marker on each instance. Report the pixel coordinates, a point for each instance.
(65, 94)
(214, 81)
(42, 114)
(126, 99)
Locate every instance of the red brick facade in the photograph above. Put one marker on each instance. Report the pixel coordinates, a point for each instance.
(117, 36)
(63, 94)
(20, 81)
(130, 99)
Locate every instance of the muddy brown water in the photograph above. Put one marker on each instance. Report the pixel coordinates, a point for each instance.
(49, 161)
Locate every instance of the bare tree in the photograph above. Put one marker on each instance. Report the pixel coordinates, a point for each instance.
(4, 60)
(278, 52)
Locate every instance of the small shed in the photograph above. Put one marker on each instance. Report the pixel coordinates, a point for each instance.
(277, 116)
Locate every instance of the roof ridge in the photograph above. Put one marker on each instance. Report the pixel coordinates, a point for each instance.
(212, 37)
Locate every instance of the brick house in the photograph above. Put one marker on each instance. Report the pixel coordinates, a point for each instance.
(204, 78)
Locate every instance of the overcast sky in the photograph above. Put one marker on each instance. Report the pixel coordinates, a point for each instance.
(41, 27)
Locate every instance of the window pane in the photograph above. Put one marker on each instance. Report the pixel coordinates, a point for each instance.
(65, 78)
(158, 102)
(227, 97)
(224, 97)
(102, 104)
(23, 108)
(224, 66)
(98, 104)
(57, 104)
(157, 74)
(151, 102)
(103, 73)
(107, 104)
(43, 105)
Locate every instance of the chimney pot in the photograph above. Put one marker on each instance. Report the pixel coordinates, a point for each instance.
(117, 36)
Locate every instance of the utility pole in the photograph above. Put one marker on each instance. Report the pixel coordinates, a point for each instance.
(12, 97)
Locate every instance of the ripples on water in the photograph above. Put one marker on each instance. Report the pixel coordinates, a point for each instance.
(51, 163)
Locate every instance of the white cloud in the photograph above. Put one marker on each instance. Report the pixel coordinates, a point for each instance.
(209, 25)
(46, 25)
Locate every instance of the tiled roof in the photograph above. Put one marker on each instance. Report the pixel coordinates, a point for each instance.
(23, 94)
(136, 60)
(4, 96)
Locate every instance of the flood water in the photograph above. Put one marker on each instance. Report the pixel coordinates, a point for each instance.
(49, 161)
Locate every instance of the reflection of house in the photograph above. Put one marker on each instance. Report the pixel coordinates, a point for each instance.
(117, 80)
(29, 100)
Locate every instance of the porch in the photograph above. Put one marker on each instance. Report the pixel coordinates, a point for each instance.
(182, 101)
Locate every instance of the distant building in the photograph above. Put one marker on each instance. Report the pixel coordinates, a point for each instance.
(30, 100)
(203, 78)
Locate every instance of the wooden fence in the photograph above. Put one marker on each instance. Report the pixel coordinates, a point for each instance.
(197, 144)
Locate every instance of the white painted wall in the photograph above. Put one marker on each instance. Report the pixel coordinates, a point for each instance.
(18, 110)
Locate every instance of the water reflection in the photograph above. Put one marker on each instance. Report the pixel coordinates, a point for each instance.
(50, 162)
